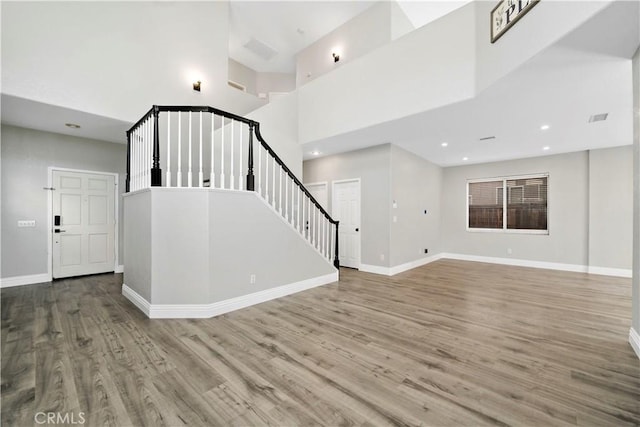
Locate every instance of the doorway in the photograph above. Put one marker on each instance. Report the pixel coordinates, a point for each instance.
(319, 192)
(346, 209)
(83, 215)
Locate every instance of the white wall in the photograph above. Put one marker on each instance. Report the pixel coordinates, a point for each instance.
(116, 59)
(26, 156)
(611, 207)
(275, 82)
(205, 244)
(359, 36)
(412, 74)
(400, 23)
(543, 25)
(279, 128)
(449, 60)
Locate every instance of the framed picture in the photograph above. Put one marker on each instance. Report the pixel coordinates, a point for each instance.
(506, 14)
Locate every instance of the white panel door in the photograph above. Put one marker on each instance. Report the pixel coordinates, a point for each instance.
(83, 242)
(346, 209)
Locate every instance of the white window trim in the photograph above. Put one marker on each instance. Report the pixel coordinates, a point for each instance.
(506, 230)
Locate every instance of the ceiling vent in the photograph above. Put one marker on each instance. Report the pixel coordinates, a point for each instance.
(487, 138)
(237, 85)
(598, 117)
(261, 49)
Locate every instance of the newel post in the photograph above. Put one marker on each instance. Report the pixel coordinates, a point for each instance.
(336, 258)
(250, 177)
(156, 172)
(128, 179)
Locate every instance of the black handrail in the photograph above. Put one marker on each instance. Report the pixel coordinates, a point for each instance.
(291, 175)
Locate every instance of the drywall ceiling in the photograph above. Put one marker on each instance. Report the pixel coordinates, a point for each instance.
(301, 23)
(587, 72)
(286, 27)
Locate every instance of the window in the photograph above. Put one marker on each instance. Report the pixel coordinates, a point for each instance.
(522, 209)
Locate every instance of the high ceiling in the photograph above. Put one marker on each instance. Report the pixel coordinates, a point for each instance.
(301, 23)
(585, 73)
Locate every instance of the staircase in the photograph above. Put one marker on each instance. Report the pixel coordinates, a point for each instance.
(203, 147)
(210, 173)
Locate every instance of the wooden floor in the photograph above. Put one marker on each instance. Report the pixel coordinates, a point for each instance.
(448, 344)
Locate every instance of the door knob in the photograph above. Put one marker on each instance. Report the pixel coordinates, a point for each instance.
(57, 230)
(357, 229)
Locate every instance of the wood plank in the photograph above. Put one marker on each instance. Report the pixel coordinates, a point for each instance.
(449, 343)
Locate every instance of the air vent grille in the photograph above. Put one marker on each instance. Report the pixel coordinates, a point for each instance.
(261, 49)
(598, 117)
(237, 85)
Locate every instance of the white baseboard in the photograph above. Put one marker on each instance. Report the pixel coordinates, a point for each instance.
(606, 271)
(137, 299)
(196, 311)
(634, 340)
(518, 262)
(392, 271)
(413, 264)
(7, 282)
(119, 269)
(375, 269)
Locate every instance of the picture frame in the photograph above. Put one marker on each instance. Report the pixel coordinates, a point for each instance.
(506, 13)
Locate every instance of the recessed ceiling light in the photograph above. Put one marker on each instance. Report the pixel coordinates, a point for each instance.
(315, 153)
(465, 159)
(72, 125)
(544, 127)
(444, 144)
(546, 148)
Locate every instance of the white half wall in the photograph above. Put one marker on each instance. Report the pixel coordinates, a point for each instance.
(193, 247)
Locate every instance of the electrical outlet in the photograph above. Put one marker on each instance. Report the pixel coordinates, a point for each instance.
(252, 279)
(509, 251)
(27, 223)
(381, 257)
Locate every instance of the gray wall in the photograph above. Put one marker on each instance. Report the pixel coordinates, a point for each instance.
(590, 210)
(372, 166)
(205, 244)
(415, 187)
(611, 207)
(568, 211)
(636, 192)
(26, 156)
(137, 244)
